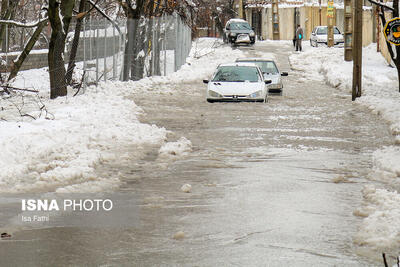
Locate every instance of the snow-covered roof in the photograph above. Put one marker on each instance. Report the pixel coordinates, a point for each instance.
(244, 59)
(236, 20)
(238, 64)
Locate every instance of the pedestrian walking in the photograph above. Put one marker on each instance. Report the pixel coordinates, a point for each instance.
(299, 37)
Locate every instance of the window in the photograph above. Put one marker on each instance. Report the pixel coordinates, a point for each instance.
(240, 26)
(322, 31)
(236, 74)
(265, 66)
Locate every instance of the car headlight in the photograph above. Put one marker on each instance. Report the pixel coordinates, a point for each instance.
(252, 34)
(213, 94)
(256, 94)
(232, 34)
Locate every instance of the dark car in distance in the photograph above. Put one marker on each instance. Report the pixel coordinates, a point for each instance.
(239, 31)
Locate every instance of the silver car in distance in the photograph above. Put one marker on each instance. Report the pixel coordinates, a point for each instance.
(270, 72)
(237, 82)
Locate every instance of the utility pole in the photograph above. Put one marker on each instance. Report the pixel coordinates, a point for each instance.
(320, 13)
(240, 9)
(378, 29)
(330, 14)
(348, 30)
(357, 51)
(275, 20)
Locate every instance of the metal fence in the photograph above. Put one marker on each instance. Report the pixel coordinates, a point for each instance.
(166, 43)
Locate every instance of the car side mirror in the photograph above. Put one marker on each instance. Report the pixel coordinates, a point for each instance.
(284, 73)
(206, 81)
(268, 81)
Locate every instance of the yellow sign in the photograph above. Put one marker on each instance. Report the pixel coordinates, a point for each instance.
(392, 31)
(330, 12)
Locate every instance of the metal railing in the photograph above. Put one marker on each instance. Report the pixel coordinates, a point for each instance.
(166, 43)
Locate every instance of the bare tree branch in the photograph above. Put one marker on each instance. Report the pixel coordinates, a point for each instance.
(23, 25)
(94, 4)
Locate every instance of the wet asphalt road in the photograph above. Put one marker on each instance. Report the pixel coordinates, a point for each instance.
(274, 184)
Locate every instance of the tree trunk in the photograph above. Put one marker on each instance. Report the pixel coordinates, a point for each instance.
(137, 69)
(7, 13)
(75, 43)
(157, 69)
(129, 45)
(17, 64)
(59, 30)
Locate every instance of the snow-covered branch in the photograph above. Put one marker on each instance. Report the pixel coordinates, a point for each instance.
(23, 25)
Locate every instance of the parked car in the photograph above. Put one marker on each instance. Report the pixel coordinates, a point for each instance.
(239, 31)
(320, 36)
(270, 72)
(237, 82)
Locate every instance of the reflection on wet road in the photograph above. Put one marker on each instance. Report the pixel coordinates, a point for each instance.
(273, 184)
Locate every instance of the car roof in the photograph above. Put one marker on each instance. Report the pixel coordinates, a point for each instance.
(238, 64)
(323, 27)
(236, 20)
(254, 59)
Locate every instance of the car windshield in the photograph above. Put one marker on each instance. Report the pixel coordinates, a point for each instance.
(324, 31)
(265, 66)
(240, 26)
(236, 74)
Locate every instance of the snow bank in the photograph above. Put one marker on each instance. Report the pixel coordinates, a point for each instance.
(62, 154)
(389, 164)
(381, 228)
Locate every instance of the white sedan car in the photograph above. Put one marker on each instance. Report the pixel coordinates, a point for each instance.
(320, 36)
(237, 82)
(270, 71)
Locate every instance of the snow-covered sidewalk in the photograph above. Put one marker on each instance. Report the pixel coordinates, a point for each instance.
(380, 229)
(61, 152)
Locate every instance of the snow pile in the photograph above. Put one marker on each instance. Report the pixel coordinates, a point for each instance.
(178, 148)
(388, 164)
(381, 228)
(62, 154)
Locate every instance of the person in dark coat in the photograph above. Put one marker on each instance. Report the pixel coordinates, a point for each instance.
(299, 37)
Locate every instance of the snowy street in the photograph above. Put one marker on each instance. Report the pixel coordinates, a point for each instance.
(303, 180)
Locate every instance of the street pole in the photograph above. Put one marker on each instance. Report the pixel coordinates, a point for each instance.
(240, 10)
(320, 13)
(348, 30)
(357, 52)
(275, 20)
(330, 14)
(378, 30)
